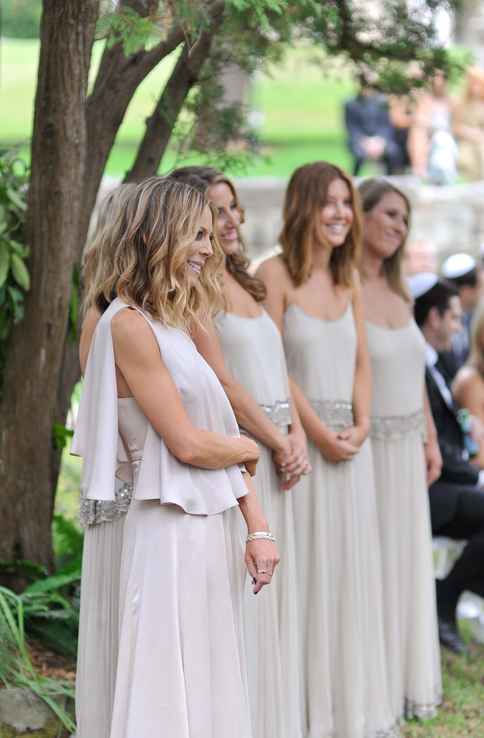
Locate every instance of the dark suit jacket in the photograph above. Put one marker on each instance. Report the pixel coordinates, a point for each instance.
(457, 472)
(368, 116)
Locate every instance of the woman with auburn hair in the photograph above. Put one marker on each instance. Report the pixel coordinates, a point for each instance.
(469, 126)
(244, 348)
(406, 455)
(153, 411)
(468, 386)
(313, 295)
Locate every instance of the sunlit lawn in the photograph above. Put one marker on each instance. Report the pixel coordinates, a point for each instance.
(300, 106)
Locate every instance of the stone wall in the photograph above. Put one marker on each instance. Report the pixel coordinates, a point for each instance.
(447, 219)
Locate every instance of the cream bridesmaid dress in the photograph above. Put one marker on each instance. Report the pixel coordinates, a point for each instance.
(338, 554)
(254, 354)
(397, 433)
(176, 567)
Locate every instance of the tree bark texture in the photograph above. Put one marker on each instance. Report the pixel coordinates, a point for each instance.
(27, 411)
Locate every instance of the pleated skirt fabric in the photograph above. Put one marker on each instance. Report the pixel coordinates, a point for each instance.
(272, 628)
(412, 644)
(181, 670)
(98, 629)
(343, 663)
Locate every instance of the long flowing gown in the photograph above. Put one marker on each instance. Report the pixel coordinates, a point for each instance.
(173, 576)
(397, 430)
(337, 543)
(254, 354)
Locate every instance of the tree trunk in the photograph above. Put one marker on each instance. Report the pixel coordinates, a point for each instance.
(160, 124)
(35, 353)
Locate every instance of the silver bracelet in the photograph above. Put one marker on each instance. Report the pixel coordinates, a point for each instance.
(261, 535)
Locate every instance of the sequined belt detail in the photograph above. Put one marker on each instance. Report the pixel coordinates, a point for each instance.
(94, 512)
(393, 427)
(279, 413)
(336, 414)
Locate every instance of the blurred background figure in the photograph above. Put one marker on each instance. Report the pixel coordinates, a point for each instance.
(468, 387)
(469, 126)
(462, 272)
(371, 134)
(456, 498)
(420, 256)
(431, 147)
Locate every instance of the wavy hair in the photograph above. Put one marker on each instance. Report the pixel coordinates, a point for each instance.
(148, 262)
(99, 250)
(237, 264)
(306, 194)
(372, 191)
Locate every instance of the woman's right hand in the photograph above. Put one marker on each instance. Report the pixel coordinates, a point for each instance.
(335, 447)
(250, 454)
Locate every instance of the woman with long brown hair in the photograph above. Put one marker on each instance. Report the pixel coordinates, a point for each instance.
(313, 295)
(153, 411)
(244, 348)
(405, 454)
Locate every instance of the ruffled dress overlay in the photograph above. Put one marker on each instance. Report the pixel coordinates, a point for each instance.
(397, 433)
(169, 570)
(338, 557)
(254, 354)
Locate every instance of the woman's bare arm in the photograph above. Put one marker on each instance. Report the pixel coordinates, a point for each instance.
(138, 359)
(362, 378)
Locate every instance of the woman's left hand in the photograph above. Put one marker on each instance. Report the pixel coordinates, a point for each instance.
(355, 434)
(261, 558)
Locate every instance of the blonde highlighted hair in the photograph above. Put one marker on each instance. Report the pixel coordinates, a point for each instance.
(372, 191)
(147, 262)
(306, 194)
(237, 264)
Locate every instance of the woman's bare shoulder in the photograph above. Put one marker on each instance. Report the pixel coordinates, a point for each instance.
(273, 267)
(467, 378)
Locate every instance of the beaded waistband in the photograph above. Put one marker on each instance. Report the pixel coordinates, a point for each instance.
(279, 413)
(336, 414)
(394, 427)
(94, 512)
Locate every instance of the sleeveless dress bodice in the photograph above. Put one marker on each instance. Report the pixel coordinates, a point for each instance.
(254, 354)
(397, 361)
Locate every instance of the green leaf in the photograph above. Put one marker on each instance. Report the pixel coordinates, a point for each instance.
(15, 198)
(4, 263)
(20, 272)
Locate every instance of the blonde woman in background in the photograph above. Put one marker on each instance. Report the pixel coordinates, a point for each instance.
(180, 666)
(314, 297)
(245, 350)
(405, 453)
(469, 126)
(468, 386)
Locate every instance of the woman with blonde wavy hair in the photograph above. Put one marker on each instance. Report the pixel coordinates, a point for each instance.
(153, 412)
(244, 348)
(405, 452)
(314, 296)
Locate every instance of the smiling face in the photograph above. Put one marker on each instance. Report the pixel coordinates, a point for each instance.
(386, 225)
(228, 216)
(336, 215)
(201, 248)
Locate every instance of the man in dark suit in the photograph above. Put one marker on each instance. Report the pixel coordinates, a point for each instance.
(371, 135)
(456, 498)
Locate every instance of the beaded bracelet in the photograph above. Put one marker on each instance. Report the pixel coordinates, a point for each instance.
(261, 535)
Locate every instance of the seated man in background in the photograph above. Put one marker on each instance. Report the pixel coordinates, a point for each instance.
(456, 499)
(461, 271)
(371, 135)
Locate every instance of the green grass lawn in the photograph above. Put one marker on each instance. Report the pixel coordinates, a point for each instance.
(300, 103)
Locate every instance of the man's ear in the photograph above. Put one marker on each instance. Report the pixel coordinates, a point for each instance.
(433, 317)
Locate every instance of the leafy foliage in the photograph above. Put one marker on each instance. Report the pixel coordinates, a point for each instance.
(16, 668)
(14, 275)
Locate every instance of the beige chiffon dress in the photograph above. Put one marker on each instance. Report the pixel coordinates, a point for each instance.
(169, 570)
(337, 543)
(253, 352)
(397, 434)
